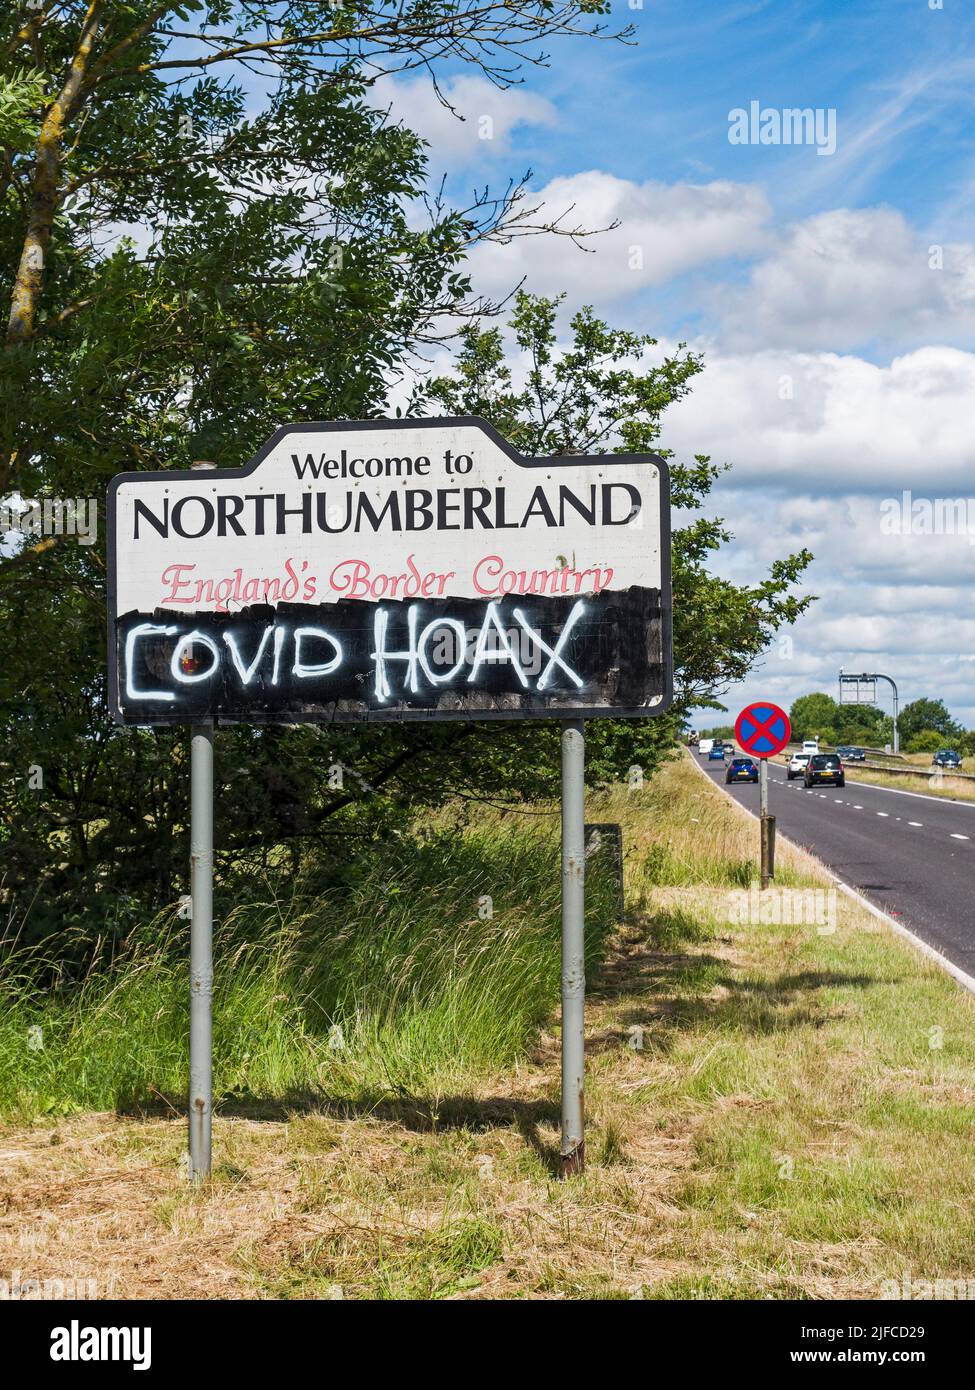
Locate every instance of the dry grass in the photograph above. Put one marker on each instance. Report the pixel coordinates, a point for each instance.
(772, 1112)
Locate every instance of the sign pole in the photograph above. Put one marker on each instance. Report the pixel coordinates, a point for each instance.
(763, 729)
(201, 950)
(573, 1151)
(763, 821)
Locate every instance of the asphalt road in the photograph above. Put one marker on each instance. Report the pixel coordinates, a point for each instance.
(912, 855)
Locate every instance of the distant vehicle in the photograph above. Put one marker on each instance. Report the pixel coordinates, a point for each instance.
(824, 767)
(810, 745)
(741, 770)
(797, 765)
(946, 757)
(716, 753)
(705, 745)
(851, 755)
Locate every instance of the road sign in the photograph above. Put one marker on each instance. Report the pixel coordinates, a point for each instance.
(391, 569)
(866, 681)
(763, 729)
(858, 690)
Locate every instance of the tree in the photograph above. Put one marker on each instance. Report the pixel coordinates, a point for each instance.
(862, 724)
(596, 393)
(927, 741)
(203, 233)
(257, 232)
(814, 716)
(925, 714)
(278, 795)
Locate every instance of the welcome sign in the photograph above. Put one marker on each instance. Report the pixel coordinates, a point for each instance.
(405, 569)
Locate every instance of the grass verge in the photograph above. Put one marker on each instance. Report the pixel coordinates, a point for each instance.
(781, 1102)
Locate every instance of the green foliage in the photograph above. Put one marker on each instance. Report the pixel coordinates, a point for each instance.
(813, 716)
(436, 961)
(598, 392)
(22, 94)
(927, 715)
(820, 716)
(927, 741)
(284, 264)
(109, 825)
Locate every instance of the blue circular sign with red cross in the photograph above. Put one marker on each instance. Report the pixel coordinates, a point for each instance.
(762, 729)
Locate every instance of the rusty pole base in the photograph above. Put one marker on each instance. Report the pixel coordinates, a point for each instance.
(574, 1161)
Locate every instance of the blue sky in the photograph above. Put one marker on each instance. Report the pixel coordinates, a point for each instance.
(832, 295)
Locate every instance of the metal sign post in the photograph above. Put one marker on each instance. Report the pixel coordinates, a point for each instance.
(573, 1149)
(763, 815)
(763, 729)
(853, 683)
(369, 570)
(201, 950)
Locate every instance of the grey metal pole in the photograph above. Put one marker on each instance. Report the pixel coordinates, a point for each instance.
(201, 950)
(573, 1149)
(763, 820)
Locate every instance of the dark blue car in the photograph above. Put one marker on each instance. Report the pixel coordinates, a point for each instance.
(946, 757)
(741, 770)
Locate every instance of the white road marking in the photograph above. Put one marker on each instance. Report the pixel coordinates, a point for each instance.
(885, 814)
(922, 796)
(858, 808)
(918, 823)
(960, 837)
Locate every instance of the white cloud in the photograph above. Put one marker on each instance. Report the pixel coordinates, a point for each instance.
(849, 423)
(817, 434)
(665, 229)
(488, 115)
(846, 278)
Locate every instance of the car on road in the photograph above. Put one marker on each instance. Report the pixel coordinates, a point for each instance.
(810, 745)
(741, 770)
(824, 767)
(851, 755)
(716, 753)
(797, 765)
(705, 745)
(946, 757)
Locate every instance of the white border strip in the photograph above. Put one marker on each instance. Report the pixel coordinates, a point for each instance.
(955, 971)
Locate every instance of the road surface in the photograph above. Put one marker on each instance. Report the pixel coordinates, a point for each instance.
(911, 855)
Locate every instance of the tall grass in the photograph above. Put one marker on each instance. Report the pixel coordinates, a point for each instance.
(440, 963)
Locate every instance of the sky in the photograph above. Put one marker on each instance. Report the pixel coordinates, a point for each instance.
(830, 285)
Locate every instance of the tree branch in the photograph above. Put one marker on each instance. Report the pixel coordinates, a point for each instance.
(30, 272)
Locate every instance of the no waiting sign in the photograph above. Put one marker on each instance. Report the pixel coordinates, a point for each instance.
(394, 569)
(763, 729)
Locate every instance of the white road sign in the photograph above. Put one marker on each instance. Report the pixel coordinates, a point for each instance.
(408, 569)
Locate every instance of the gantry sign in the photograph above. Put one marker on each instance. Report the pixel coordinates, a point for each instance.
(405, 569)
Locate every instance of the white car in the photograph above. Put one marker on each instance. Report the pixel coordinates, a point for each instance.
(797, 765)
(810, 745)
